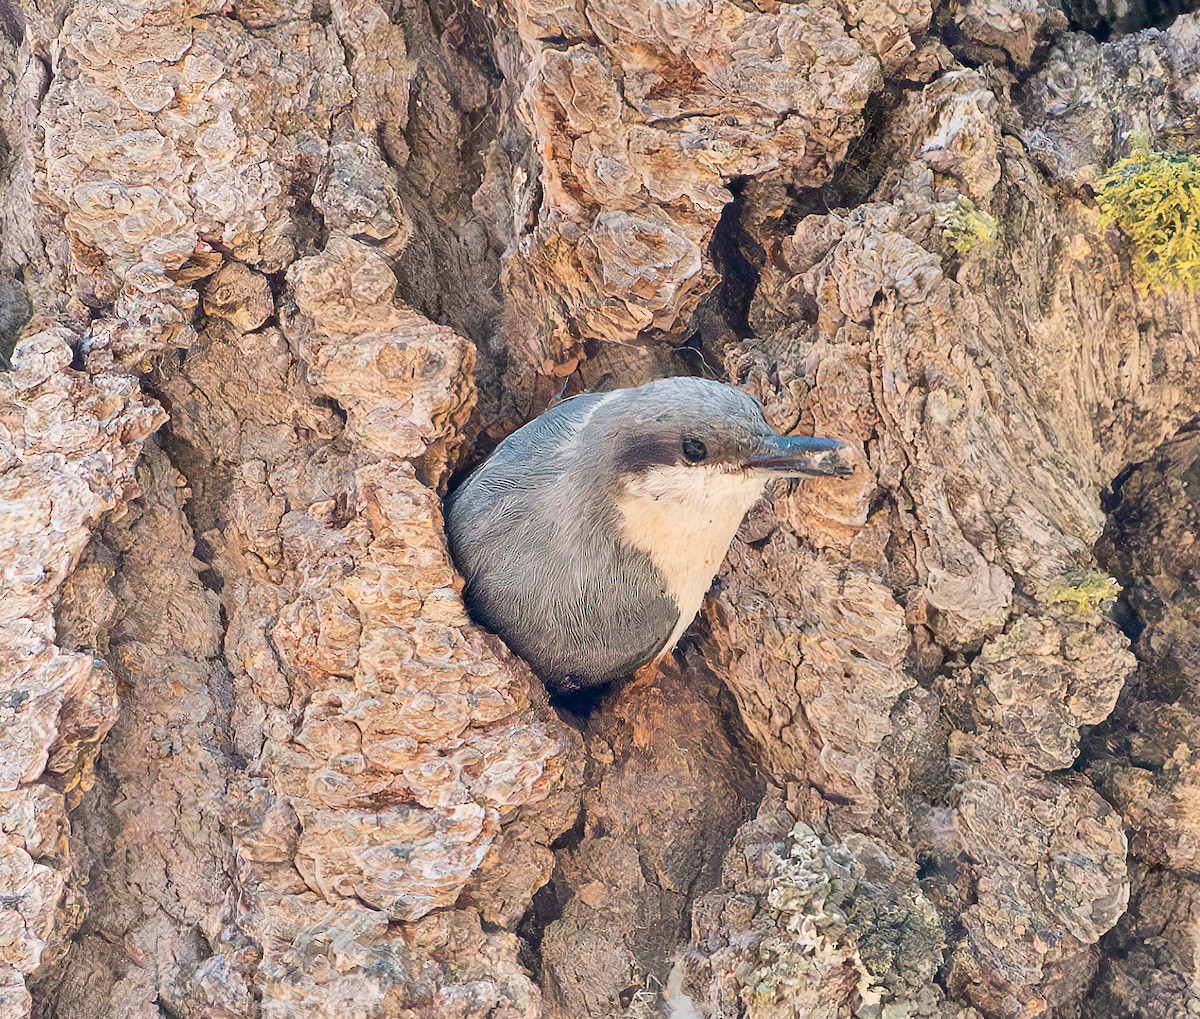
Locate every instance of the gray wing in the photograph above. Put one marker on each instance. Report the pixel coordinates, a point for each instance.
(533, 535)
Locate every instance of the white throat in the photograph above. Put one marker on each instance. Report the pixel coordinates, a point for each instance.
(685, 518)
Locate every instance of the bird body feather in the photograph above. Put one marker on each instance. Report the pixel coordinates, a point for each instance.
(590, 536)
(545, 565)
(685, 518)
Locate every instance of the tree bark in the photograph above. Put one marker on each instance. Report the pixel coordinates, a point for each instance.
(274, 276)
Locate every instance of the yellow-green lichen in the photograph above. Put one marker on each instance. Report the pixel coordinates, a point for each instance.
(1154, 197)
(965, 226)
(1088, 591)
(811, 882)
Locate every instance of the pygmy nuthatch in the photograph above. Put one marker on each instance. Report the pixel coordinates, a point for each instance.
(589, 538)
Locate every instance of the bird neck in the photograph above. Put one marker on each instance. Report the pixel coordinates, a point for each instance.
(685, 518)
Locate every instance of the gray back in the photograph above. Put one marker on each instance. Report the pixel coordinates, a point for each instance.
(534, 533)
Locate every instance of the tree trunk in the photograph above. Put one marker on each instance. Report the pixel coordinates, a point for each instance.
(277, 275)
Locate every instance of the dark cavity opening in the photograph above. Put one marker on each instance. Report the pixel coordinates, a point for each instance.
(736, 256)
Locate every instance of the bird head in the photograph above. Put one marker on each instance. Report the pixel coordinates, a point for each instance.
(706, 427)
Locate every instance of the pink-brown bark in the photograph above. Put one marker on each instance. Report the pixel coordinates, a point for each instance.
(275, 273)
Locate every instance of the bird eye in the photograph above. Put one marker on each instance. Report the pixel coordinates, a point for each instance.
(694, 450)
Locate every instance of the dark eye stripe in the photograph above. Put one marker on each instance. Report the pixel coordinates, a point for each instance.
(639, 453)
(694, 450)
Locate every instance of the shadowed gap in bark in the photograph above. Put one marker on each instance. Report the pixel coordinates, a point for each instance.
(737, 257)
(1105, 20)
(1137, 758)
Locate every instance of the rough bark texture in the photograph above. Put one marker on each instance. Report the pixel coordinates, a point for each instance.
(274, 274)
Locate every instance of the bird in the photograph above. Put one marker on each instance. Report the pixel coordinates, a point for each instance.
(590, 536)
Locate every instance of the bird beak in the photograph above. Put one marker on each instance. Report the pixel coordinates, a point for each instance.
(792, 456)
